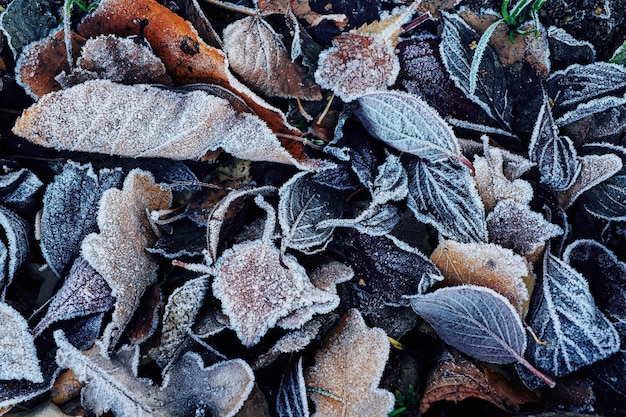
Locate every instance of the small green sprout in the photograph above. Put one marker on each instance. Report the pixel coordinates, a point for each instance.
(523, 11)
(408, 402)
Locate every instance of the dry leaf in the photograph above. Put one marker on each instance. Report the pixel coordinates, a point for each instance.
(257, 53)
(14, 246)
(301, 9)
(456, 379)
(104, 117)
(362, 60)
(485, 265)
(187, 58)
(118, 251)
(66, 387)
(347, 371)
(116, 59)
(17, 348)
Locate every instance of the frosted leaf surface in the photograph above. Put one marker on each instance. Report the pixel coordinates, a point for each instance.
(349, 367)
(256, 52)
(485, 265)
(180, 314)
(299, 8)
(407, 123)
(18, 187)
(516, 227)
(302, 206)
(26, 21)
(294, 341)
(122, 60)
(391, 182)
(70, 206)
(291, 399)
(118, 252)
(84, 292)
(476, 320)
(564, 313)
(14, 246)
(444, 195)
(115, 119)
(375, 220)
(554, 155)
(18, 356)
(590, 108)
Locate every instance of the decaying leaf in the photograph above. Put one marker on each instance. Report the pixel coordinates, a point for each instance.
(27, 21)
(118, 251)
(563, 312)
(363, 60)
(299, 8)
(347, 371)
(257, 53)
(70, 206)
(18, 355)
(180, 313)
(101, 116)
(302, 206)
(456, 378)
(291, 399)
(84, 292)
(14, 246)
(486, 265)
(515, 226)
(121, 60)
(606, 199)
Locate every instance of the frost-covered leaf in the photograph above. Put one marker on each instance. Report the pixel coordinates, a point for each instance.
(190, 388)
(554, 155)
(26, 21)
(606, 274)
(47, 409)
(347, 371)
(101, 116)
(186, 239)
(14, 246)
(590, 108)
(291, 399)
(122, 60)
(303, 204)
(294, 341)
(118, 252)
(18, 356)
(485, 265)
(566, 50)
(391, 182)
(180, 313)
(607, 200)
(408, 124)
(193, 13)
(301, 9)
(457, 56)
(70, 206)
(84, 292)
(375, 220)
(578, 84)
(256, 52)
(517, 227)
(563, 312)
(18, 186)
(444, 196)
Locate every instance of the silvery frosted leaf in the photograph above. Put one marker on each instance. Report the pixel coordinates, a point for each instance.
(579, 84)
(18, 355)
(291, 399)
(27, 21)
(84, 292)
(444, 195)
(18, 186)
(375, 220)
(293, 341)
(391, 182)
(563, 313)
(14, 246)
(607, 200)
(103, 117)
(566, 50)
(407, 123)
(491, 88)
(554, 155)
(180, 313)
(303, 204)
(589, 108)
(70, 206)
(604, 271)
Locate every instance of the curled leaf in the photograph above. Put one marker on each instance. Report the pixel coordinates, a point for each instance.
(14, 246)
(291, 400)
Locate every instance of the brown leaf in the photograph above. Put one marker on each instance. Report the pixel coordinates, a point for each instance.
(101, 116)
(257, 53)
(42, 61)
(348, 369)
(486, 265)
(456, 379)
(66, 387)
(118, 251)
(187, 58)
(301, 9)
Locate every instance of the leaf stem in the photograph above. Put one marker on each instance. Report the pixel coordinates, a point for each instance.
(549, 381)
(239, 9)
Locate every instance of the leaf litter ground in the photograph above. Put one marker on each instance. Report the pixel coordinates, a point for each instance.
(311, 208)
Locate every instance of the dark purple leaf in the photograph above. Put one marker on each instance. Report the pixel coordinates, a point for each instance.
(291, 399)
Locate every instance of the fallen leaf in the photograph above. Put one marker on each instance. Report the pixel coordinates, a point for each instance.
(257, 54)
(455, 378)
(566, 50)
(191, 11)
(18, 187)
(14, 246)
(17, 348)
(301, 9)
(70, 206)
(291, 399)
(46, 409)
(118, 251)
(84, 292)
(27, 21)
(66, 387)
(122, 60)
(101, 116)
(348, 369)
